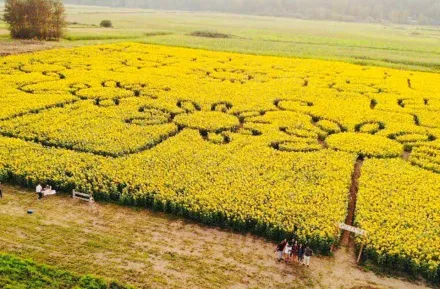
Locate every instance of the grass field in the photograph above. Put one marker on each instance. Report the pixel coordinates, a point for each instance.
(17, 273)
(152, 250)
(396, 46)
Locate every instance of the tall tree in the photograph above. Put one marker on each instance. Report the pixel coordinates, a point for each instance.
(41, 19)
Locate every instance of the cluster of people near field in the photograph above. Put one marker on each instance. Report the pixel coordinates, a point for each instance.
(294, 251)
(44, 192)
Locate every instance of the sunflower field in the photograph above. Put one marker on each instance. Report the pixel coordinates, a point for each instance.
(256, 143)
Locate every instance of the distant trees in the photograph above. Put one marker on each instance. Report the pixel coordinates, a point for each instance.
(399, 11)
(35, 19)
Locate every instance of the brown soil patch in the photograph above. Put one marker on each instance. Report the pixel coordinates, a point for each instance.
(406, 155)
(9, 47)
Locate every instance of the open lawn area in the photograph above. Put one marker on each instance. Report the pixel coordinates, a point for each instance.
(152, 250)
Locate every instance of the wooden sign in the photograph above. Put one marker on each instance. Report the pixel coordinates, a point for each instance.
(357, 231)
(352, 229)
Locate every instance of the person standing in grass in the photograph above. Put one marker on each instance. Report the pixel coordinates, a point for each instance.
(280, 248)
(294, 251)
(286, 252)
(39, 191)
(300, 253)
(308, 253)
(1, 191)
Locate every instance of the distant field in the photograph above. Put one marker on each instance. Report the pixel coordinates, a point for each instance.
(396, 46)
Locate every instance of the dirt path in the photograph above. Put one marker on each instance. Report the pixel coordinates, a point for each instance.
(152, 250)
(24, 46)
(406, 155)
(354, 188)
(341, 271)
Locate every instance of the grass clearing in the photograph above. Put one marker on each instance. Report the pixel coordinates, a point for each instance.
(152, 250)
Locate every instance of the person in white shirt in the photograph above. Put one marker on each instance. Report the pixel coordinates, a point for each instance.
(39, 191)
(286, 252)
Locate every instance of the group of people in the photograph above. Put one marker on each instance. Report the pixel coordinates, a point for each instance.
(294, 250)
(42, 192)
(47, 190)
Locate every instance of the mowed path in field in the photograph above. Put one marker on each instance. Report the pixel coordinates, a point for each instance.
(152, 250)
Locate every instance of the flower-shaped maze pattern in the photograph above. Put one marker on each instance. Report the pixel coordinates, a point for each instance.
(367, 139)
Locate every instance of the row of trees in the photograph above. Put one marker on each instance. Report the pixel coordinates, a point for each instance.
(398, 11)
(35, 19)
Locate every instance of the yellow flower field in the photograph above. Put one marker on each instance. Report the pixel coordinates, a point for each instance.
(257, 143)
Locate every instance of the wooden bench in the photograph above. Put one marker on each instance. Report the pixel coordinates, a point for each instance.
(82, 196)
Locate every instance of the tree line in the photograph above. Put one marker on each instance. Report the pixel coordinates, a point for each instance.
(397, 11)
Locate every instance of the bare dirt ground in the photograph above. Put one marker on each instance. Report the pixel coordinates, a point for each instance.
(23, 46)
(152, 250)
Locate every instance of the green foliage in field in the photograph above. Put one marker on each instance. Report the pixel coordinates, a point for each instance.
(21, 274)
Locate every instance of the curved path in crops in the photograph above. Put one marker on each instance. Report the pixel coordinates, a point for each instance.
(152, 250)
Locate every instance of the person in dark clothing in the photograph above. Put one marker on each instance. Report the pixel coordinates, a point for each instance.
(280, 248)
(294, 251)
(1, 192)
(308, 253)
(300, 253)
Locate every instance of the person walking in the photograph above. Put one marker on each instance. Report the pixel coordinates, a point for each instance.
(308, 253)
(279, 250)
(300, 253)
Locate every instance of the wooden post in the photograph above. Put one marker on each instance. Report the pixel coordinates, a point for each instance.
(362, 247)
